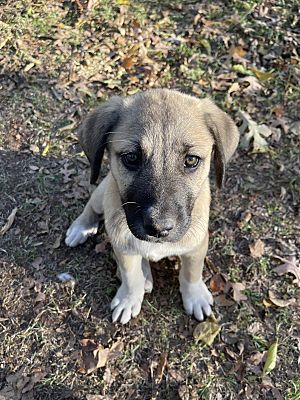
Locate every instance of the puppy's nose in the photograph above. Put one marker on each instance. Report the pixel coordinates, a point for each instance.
(156, 226)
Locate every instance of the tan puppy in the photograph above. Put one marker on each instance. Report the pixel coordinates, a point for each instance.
(156, 197)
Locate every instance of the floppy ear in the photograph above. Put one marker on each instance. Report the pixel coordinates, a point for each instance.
(95, 130)
(226, 137)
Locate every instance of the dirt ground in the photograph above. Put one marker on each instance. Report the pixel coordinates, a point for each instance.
(58, 59)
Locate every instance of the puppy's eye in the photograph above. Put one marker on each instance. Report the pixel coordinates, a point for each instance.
(131, 160)
(191, 162)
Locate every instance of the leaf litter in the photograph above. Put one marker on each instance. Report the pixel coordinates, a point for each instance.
(271, 358)
(90, 46)
(289, 266)
(10, 221)
(94, 355)
(253, 134)
(206, 331)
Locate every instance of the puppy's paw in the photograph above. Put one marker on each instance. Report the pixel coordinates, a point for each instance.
(127, 305)
(197, 299)
(79, 232)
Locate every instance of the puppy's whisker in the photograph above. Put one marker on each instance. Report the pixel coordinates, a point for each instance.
(129, 202)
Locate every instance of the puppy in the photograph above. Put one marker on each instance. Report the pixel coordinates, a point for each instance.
(155, 200)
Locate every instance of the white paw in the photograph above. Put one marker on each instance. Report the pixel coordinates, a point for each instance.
(127, 305)
(197, 299)
(79, 232)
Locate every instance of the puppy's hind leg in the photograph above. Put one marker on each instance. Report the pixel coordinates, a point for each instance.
(87, 223)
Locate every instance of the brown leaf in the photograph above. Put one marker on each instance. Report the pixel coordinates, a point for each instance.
(257, 249)
(101, 355)
(237, 52)
(116, 350)
(278, 110)
(94, 355)
(237, 291)
(222, 301)
(10, 221)
(176, 375)
(245, 218)
(217, 283)
(21, 382)
(256, 358)
(289, 267)
(88, 360)
(280, 302)
(235, 87)
(253, 85)
(128, 62)
(161, 367)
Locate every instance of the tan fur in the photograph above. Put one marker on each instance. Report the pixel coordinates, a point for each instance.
(138, 119)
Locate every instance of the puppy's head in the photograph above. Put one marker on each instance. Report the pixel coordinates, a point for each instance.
(160, 144)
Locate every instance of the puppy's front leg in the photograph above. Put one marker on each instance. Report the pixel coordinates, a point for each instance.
(196, 297)
(87, 222)
(127, 302)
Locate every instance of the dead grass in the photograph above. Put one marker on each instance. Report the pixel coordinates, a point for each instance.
(57, 61)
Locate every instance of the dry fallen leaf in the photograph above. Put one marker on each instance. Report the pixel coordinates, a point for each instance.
(10, 221)
(161, 367)
(271, 357)
(237, 289)
(253, 133)
(235, 87)
(217, 283)
(254, 85)
(222, 301)
(256, 358)
(94, 355)
(128, 63)
(116, 350)
(20, 383)
(176, 375)
(207, 331)
(280, 302)
(257, 249)
(262, 75)
(289, 266)
(237, 52)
